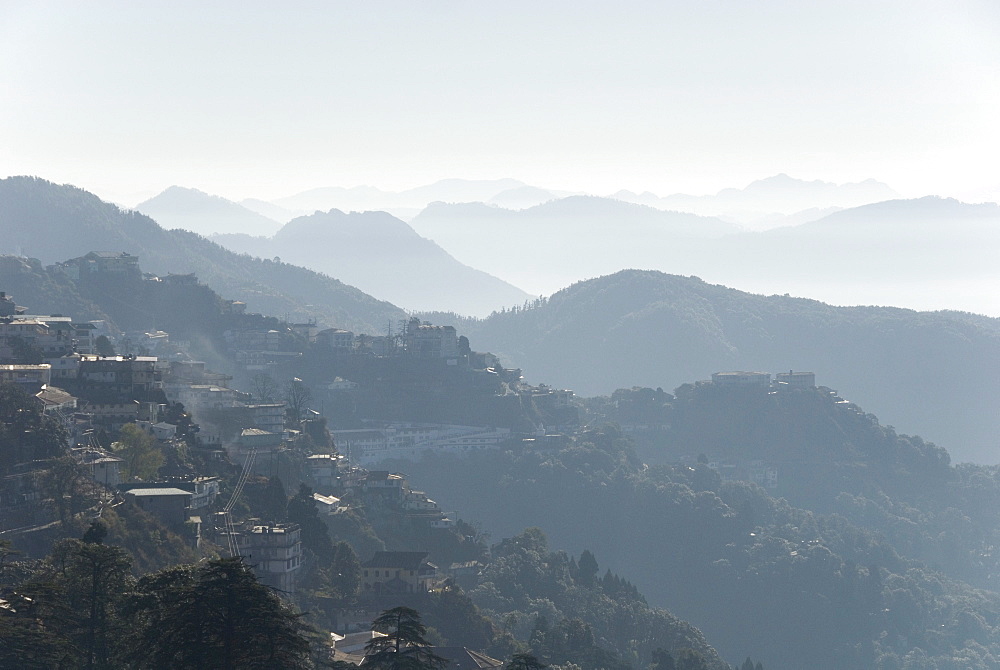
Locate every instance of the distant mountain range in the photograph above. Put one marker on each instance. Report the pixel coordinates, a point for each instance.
(562, 241)
(760, 204)
(933, 373)
(764, 198)
(205, 214)
(54, 223)
(765, 203)
(407, 203)
(931, 253)
(382, 256)
(928, 252)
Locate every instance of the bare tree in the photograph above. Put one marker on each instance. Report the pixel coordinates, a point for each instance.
(264, 388)
(297, 395)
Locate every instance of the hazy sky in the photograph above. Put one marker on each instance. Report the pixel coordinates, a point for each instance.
(255, 99)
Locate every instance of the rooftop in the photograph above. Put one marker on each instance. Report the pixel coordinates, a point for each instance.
(145, 493)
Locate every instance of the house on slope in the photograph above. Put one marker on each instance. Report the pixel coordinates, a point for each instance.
(391, 572)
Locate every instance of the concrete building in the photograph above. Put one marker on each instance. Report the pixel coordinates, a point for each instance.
(336, 339)
(268, 416)
(168, 504)
(324, 470)
(796, 379)
(742, 379)
(103, 468)
(29, 377)
(427, 341)
(274, 552)
(100, 263)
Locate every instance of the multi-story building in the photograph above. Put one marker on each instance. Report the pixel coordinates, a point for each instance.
(268, 416)
(29, 377)
(169, 504)
(371, 445)
(335, 339)
(796, 379)
(100, 263)
(85, 335)
(744, 379)
(427, 341)
(30, 332)
(274, 552)
(132, 376)
(324, 470)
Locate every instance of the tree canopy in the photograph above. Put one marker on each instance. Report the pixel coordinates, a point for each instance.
(405, 646)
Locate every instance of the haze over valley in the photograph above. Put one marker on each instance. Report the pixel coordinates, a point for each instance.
(850, 244)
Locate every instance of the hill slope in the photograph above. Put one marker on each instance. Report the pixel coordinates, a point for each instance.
(933, 372)
(383, 256)
(54, 223)
(754, 573)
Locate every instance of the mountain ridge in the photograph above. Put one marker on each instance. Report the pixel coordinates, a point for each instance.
(385, 256)
(203, 213)
(654, 329)
(55, 223)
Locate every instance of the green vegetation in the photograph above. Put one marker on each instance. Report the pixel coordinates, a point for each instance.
(80, 607)
(25, 433)
(405, 645)
(139, 453)
(568, 614)
(214, 615)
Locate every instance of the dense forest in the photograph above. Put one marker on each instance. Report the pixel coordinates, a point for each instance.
(755, 573)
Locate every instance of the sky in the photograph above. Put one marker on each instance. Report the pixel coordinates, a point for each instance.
(253, 99)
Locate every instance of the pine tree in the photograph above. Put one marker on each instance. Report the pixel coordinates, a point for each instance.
(588, 568)
(404, 646)
(215, 615)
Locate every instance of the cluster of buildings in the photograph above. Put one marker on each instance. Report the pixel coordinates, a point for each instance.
(256, 350)
(410, 440)
(91, 392)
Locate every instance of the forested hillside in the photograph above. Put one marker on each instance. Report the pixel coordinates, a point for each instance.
(54, 223)
(829, 456)
(933, 372)
(756, 574)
